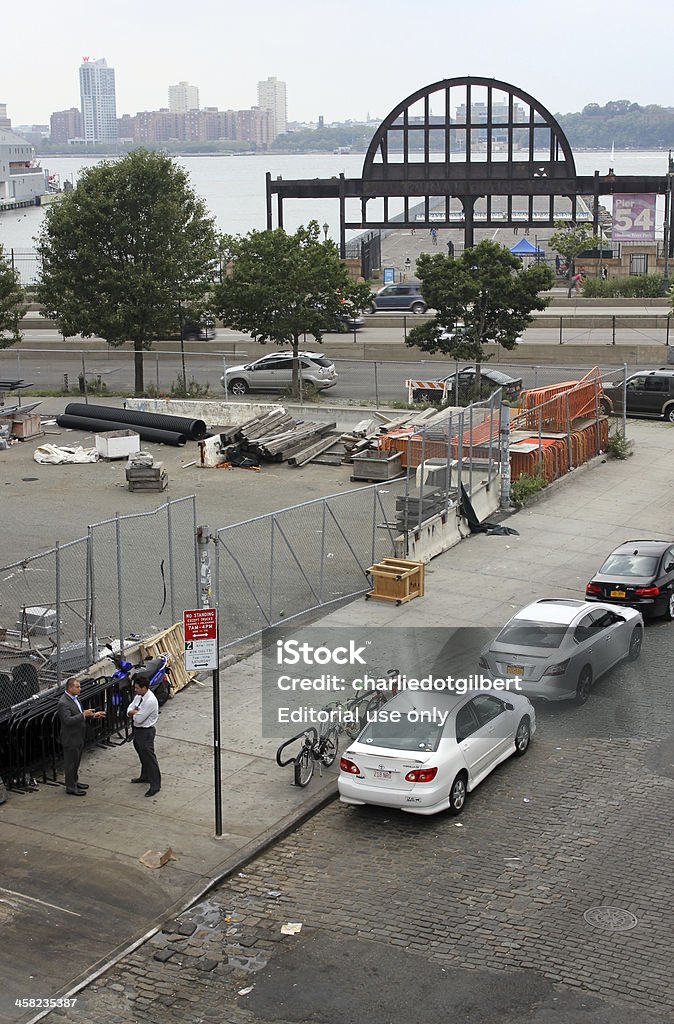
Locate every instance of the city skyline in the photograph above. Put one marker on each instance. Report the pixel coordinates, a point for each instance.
(339, 65)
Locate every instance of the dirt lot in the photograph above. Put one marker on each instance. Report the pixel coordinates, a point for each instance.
(44, 504)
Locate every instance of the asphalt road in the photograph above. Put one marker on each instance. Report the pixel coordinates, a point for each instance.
(40, 361)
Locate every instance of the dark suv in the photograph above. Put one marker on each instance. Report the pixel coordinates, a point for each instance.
(649, 393)
(406, 298)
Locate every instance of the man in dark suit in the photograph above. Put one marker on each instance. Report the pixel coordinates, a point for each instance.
(72, 717)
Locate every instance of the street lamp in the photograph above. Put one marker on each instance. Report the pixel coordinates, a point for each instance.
(326, 228)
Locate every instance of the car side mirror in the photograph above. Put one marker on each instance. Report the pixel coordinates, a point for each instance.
(248, 367)
(510, 707)
(670, 567)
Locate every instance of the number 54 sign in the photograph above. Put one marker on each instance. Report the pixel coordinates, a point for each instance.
(633, 218)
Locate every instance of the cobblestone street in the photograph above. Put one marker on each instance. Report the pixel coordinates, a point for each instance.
(403, 916)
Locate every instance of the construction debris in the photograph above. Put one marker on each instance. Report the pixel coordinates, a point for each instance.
(54, 455)
(144, 474)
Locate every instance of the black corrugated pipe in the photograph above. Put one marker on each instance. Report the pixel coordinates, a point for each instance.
(99, 426)
(194, 430)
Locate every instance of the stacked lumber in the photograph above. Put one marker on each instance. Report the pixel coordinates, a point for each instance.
(170, 641)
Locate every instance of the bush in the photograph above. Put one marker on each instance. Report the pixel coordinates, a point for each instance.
(618, 446)
(189, 389)
(525, 487)
(639, 286)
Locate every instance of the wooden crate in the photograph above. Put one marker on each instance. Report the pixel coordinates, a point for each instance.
(397, 579)
(169, 641)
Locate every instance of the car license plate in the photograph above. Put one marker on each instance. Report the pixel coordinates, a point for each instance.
(515, 670)
(382, 775)
(618, 593)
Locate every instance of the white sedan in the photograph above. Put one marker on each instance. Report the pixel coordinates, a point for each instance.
(426, 751)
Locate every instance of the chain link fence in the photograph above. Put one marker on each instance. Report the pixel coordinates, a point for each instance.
(271, 569)
(131, 576)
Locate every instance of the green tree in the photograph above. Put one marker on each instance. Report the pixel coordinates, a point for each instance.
(12, 304)
(279, 287)
(482, 296)
(122, 251)
(571, 239)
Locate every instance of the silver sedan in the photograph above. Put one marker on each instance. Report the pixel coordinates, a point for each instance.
(557, 648)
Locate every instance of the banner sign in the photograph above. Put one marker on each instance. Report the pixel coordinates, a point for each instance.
(633, 218)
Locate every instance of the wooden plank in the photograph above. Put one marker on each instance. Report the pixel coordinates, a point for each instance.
(170, 641)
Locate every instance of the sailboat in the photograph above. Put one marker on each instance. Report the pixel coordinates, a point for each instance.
(612, 153)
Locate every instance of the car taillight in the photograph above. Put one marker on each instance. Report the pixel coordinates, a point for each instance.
(593, 588)
(557, 670)
(647, 591)
(348, 766)
(421, 775)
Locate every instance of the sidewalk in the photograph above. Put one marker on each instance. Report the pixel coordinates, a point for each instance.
(73, 891)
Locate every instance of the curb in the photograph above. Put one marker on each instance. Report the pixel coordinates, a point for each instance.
(235, 862)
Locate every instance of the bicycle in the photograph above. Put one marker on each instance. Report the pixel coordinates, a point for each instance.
(316, 749)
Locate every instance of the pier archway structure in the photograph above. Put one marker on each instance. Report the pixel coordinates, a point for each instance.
(464, 151)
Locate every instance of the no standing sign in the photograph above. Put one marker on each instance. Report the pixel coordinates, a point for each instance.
(201, 638)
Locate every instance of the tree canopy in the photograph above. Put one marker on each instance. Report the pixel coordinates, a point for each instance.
(482, 296)
(571, 239)
(279, 287)
(125, 252)
(12, 303)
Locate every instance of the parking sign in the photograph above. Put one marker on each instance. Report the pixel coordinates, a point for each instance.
(201, 638)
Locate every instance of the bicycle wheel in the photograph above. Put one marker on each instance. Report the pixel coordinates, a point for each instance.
(330, 746)
(304, 767)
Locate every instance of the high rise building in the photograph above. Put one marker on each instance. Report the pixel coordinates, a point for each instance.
(271, 95)
(183, 97)
(5, 121)
(99, 106)
(65, 125)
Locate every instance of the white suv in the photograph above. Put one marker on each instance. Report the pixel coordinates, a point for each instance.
(275, 373)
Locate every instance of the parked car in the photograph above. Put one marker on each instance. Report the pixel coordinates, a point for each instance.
(274, 372)
(638, 574)
(406, 298)
(351, 324)
(490, 380)
(559, 647)
(649, 393)
(202, 331)
(426, 766)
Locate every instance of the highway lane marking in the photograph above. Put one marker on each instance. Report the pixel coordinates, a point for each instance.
(33, 899)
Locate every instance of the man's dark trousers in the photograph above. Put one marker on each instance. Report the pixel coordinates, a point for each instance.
(143, 743)
(71, 765)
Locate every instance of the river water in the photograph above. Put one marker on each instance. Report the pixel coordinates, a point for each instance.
(233, 188)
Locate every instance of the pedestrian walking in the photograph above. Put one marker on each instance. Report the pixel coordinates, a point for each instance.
(558, 264)
(72, 717)
(434, 235)
(526, 230)
(414, 230)
(408, 267)
(604, 272)
(144, 712)
(516, 229)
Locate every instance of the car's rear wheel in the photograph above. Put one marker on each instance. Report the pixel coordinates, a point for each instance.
(669, 413)
(372, 308)
(636, 641)
(605, 407)
(584, 685)
(522, 737)
(418, 307)
(458, 794)
(239, 387)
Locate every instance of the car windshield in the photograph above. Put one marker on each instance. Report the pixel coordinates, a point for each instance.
(498, 377)
(407, 734)
(522, 633)
(629, 565)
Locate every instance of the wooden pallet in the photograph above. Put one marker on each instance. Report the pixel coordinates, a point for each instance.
(170, 641)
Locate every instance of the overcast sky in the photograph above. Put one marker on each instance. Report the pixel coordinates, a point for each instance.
(339, 58)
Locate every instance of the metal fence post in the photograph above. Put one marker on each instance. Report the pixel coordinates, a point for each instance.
(460, 453)
(596, 417)
(170, 559)
(568, 428)
(504, 445)
(491, 437)
(58, 612)
(322, 570)
(448, 475)
(271, 571)
(406, 521)
(561, 342)
(613, 329)
(470, 450)
(535, 377)
(540, 436)
(422, 481)
(87, 600)
(376, 387)
(374, 521)
(118, 539)
(156, 367)
(624, 399)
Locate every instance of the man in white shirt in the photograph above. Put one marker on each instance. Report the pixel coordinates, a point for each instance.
(143, 712)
